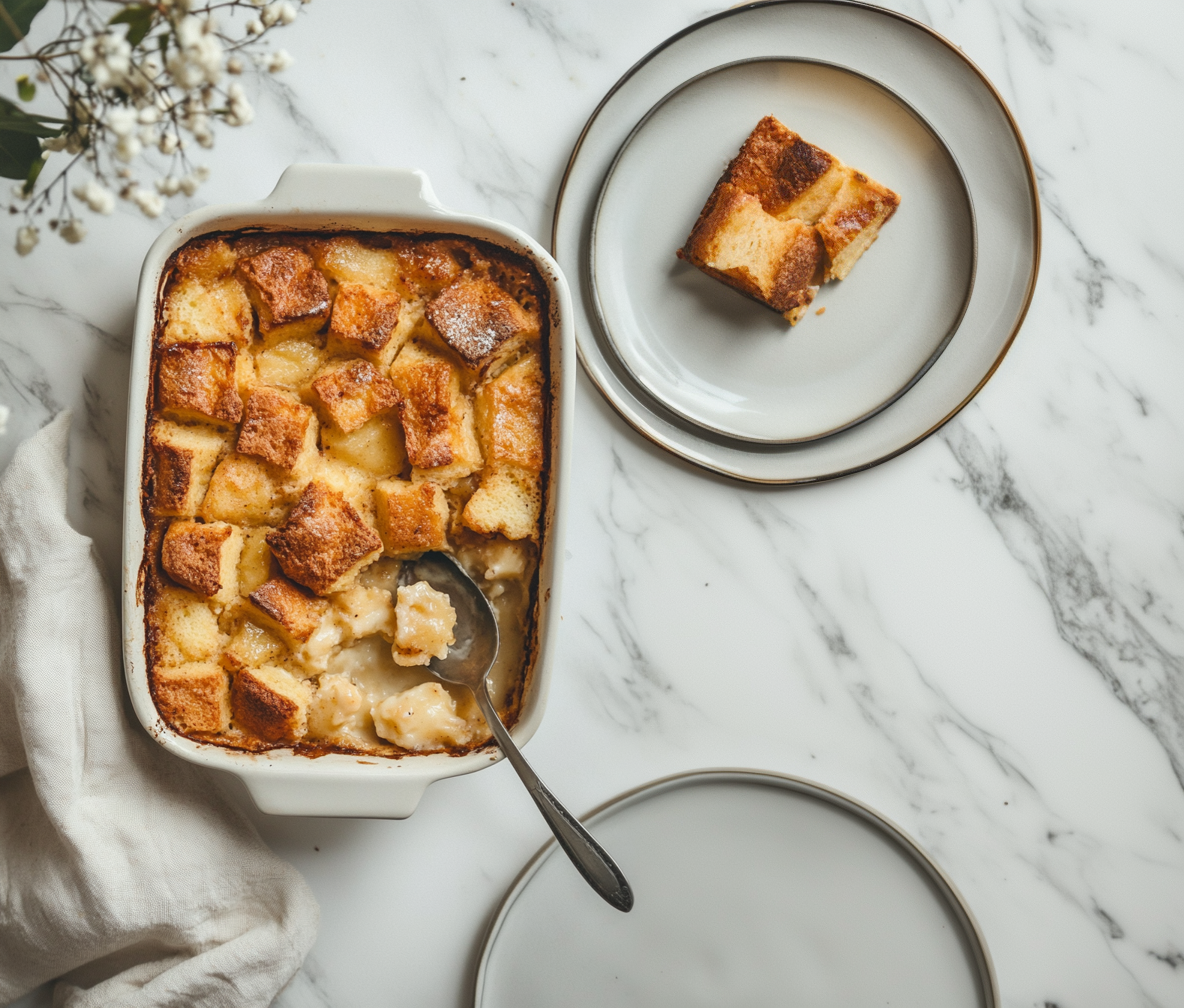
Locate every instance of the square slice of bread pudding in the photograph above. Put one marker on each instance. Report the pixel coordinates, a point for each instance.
(785, 217)
(326, 407)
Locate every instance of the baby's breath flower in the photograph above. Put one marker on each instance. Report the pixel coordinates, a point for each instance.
(107, 57)
(121, 121)
(57, 143)
(254, 27)
(26, 239)
(127, 149)
(279, 60)
(239, 109)
(287, 13)
(188, 185)
(168, 186)
(168, 143)
(96, 196)
(150, 203)
(234, 65)
(148, 115)
(73, 231)
(201, 173)
(198, 57)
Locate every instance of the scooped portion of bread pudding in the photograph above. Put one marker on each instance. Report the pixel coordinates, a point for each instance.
(324, 407)
(785, 217)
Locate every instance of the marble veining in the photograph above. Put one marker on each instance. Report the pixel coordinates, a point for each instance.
(983, 638)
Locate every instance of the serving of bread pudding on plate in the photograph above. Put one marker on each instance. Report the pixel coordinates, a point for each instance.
(325, 406)
(785, 217)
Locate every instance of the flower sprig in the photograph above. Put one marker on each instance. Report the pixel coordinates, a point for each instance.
(135, 83)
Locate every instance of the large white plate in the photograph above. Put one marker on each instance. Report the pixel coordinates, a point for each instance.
(721, 360)
(950, 94)
(752, 888)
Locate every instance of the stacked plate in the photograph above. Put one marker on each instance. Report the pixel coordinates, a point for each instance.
(904, 342)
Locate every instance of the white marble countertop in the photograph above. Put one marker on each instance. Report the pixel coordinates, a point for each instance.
(983, 638)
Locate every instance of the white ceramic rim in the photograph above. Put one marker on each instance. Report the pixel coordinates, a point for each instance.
(314, 197)
(762, 463)
(962, 912)
(621, 347)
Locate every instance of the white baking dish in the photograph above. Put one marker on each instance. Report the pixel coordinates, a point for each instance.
(341, 197)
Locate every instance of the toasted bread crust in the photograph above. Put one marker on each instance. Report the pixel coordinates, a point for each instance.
(183, 458)
(286, 283)
(412, 517)
(791, 277)
(265, 705)
(194, 697)
(426, 385)
(352, 393)
(479, 320)
(777, 166)
(510, 415)
(364, 315)
(276, 427)
(198, 380)
(192, 555)
(292, 608)
(323, 540)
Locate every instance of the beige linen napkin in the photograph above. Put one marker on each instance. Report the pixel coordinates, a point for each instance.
(123, 870)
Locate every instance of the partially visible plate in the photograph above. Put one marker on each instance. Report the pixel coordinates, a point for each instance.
(725, 362)
(752, 888)
(948, 92)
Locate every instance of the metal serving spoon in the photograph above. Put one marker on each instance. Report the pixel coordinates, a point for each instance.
(468, 663)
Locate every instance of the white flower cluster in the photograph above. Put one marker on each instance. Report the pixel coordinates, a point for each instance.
(160, 94)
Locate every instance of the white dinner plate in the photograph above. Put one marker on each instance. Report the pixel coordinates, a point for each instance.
(725, 362)
(751, 888)
(726, 425)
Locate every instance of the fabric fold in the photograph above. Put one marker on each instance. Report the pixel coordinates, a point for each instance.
(123, 870)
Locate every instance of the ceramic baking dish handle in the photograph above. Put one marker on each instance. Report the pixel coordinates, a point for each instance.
(331, 188)
(293, 794)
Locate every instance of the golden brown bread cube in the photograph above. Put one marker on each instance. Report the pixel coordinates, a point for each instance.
(207, 303)
(278, 428)
(510, 415)
(185, 628)
(182, 460)
(508, 501)
(481, 322)
(432, 266)
(853, 220)
(290, 295)
(324, 542)
(376, 446)
(364, 322)
(791, 178)
(353, 391)
(203, 558)
(287, 607)
(245, 490)
(411, 517)
(251, 647)
(438, 426)
(775, 262)
(270, 703)
(201, 381)
(194, 697)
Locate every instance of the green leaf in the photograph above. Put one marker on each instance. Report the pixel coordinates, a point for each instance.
(18, 151)
(138, 18)
(16, 120)
(31, 177)
(26, 90)
(15, 18)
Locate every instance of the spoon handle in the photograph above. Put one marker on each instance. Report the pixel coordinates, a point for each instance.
(592, 860)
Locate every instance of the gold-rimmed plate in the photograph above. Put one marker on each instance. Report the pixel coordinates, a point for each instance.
(961, 106)
(726, 363)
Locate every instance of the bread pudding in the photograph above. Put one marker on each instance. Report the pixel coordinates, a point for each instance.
(325, 406)
(785, 217)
